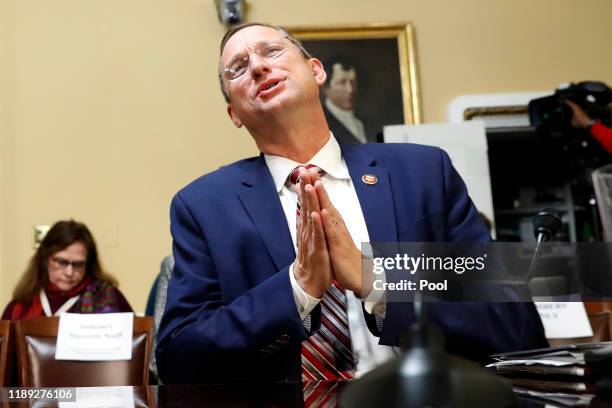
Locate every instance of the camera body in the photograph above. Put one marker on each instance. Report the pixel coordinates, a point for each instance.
(550, 115)
(230, 11)
(552, 118)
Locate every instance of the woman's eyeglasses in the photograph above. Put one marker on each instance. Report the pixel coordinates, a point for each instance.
(64, 263)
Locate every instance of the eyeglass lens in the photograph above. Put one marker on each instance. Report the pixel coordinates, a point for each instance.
(239, 65)
(64, 263)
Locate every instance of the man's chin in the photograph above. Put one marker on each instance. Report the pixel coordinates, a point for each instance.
(274, 103)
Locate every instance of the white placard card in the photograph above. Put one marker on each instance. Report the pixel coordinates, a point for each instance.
(95, 337)
(102, 397)
(564, 320)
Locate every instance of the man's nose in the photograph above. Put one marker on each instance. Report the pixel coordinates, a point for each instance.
(258, 65)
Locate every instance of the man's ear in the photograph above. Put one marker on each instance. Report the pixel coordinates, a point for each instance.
(318, 70)
(235, 119)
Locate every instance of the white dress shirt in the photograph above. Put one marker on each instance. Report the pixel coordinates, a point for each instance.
(367, 352)
(349, 120)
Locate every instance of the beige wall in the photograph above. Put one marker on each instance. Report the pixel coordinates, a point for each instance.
(4, 149)
(107, 107)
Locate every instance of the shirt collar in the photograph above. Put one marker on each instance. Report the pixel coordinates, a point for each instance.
(329, 158)
(338, 111)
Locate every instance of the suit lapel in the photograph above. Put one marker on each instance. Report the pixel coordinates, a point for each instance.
(262, 204)
(376, 199)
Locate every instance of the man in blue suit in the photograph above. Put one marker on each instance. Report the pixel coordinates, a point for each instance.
(249, 278)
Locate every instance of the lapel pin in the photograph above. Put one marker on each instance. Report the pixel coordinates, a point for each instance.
(369, 179)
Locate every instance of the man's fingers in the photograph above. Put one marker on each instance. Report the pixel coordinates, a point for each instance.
(330, 226)
(324, 200)
(305, 176)
(314, 174)
(310, 206)
(302, 197)
(313, 242)
(313, 200)
(318, 233)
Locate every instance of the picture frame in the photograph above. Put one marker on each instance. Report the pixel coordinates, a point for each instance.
(385, 59)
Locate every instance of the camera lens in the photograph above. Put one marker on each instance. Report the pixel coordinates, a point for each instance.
(233, 17)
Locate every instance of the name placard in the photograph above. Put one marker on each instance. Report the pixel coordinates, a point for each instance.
(564, 320)
(102, 397)
(95, 337)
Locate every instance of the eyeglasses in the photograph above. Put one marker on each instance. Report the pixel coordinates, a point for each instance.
(240, 64)
(64, 263)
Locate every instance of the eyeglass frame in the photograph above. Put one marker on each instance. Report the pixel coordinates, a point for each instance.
(247, 58)
(63, 263)
(285, 35)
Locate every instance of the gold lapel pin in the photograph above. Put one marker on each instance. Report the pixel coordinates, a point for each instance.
(369, 179)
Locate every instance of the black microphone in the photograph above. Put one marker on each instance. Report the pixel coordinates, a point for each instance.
(546, 224)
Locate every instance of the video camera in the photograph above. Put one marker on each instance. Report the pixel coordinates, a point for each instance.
(551, 116)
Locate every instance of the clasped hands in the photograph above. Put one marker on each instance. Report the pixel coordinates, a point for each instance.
(326, 250)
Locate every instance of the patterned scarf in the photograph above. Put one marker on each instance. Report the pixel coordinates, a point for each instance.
(95, 297)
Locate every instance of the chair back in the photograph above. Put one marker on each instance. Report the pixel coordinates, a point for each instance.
(36, 341)
(6, 352)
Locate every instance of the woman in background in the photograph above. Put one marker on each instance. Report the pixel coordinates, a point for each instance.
(65, 275)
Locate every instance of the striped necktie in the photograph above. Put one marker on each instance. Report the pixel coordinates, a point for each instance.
(327, 354)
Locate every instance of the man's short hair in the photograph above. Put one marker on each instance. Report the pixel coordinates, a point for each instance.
(346, 63)
(234, 29)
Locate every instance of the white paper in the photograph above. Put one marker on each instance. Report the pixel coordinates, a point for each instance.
(564, 320)
(102, 397)
(95, 337)
(465, 143)
(543, 362)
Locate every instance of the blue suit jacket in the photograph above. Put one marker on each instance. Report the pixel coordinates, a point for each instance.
(231, 315)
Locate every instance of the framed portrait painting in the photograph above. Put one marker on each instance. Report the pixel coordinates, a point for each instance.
(372, 77)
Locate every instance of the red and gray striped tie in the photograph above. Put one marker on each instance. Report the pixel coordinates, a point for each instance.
(327, 354)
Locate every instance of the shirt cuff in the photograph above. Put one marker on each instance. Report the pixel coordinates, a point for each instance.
(376, 301)
(304, 302)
